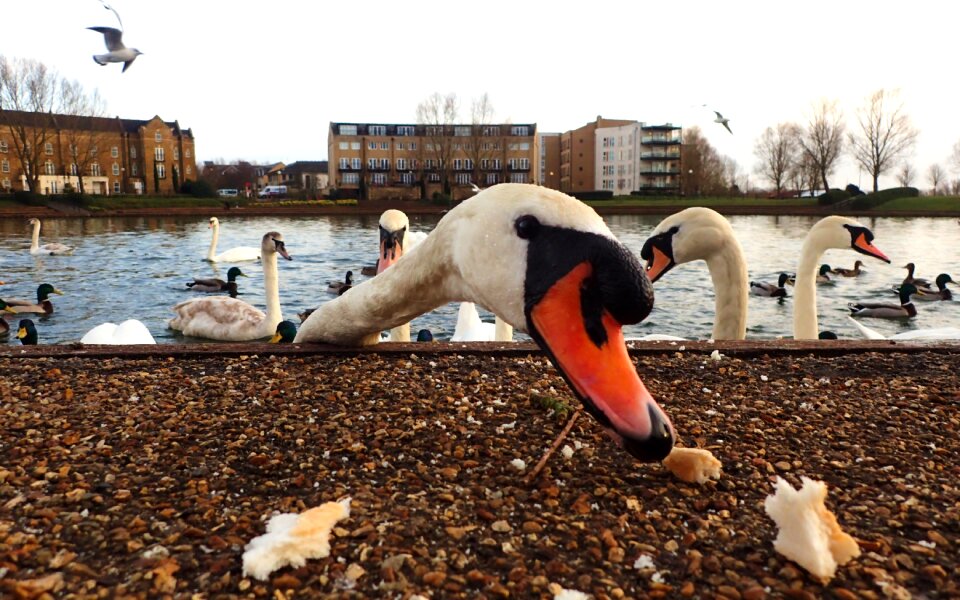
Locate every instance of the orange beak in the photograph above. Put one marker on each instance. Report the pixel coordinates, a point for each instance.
(659, 265)
(388, 256)
(862, 245)
(592, 355)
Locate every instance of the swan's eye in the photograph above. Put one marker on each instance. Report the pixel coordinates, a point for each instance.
(527, 226)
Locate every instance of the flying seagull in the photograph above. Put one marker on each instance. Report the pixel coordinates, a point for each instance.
(474, 187)
(723, 121)
(114, 41)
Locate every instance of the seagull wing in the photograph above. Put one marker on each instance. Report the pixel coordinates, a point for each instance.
(112, 37)
(127, 64)
(719, 116)
(727, 126)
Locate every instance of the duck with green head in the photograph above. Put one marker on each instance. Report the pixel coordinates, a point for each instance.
(43, 305)
(882, 310)
(213, 284)
(27, 332)
(286, 331)
(824, 275)
(4, 326)
(942, 292)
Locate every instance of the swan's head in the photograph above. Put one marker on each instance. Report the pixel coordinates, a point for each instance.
(214, 223)
(286, 331)
(842, 233)
(547, 263)
(393, 229)
(33, 222)
(44, 291)
(695, 233)
(272, 243)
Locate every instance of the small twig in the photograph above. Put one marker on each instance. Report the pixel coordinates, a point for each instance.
(553, 447)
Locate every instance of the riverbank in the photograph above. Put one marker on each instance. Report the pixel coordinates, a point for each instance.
(143, 472)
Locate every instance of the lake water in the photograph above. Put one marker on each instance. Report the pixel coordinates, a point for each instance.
(136, 268)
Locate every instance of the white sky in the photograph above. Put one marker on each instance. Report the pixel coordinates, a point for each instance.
(261, 81)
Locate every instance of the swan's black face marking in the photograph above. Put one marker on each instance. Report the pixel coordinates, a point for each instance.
(861, 240)
(391, 241)
(657, 251)
(281, 248)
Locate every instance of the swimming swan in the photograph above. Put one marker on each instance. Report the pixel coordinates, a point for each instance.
(231, 320)
(51, 248)
(238, 254)
(548, 265)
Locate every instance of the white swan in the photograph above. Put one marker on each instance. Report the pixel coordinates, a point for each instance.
(51, 248)
(548, 265)
(231, 320)
(130, 331)
(238, 254)
(469, 326)
(933, 333)
(703, 234)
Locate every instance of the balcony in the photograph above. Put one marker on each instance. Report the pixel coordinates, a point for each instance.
(659, 140)
(671, 155)
(348, 167)
(378, 168)
(655, 172)
(518, 168)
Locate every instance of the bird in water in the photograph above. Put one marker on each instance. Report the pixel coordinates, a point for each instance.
(27, 332)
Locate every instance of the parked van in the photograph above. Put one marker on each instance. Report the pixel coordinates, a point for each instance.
(273, 191)
(228, 193)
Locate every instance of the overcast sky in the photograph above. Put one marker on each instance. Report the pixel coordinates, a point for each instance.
(261, 81)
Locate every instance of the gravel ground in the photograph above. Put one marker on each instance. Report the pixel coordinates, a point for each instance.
(144, 477)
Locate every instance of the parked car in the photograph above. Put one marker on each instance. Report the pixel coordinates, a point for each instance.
(228, 193)
(273, 191)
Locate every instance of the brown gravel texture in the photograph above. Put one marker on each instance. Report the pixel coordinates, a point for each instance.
(145, 476)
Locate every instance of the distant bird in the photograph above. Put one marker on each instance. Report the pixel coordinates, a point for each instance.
(113, 38)
(823, 276)
(723, 121)
(337, 287)
(856, 270)
(474, 187)
(919, 282)
(27, 333)
(942, 293)
(905, 310)
(762, 288)
(217, 285)
(424, 335)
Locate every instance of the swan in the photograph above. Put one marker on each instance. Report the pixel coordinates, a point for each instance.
(231, 320)
(129, 332)
(285, 332)
(854, 272)
(469, 326)
(699, 233)
(214, 284)
(703, 234)
(238, 254)
(27, 332)
(883, 310)
(43, 305)
(549, 266)
(51, 248)
(933, 333)
(762, 288)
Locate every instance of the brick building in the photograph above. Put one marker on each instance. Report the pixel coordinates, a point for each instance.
(101, 155)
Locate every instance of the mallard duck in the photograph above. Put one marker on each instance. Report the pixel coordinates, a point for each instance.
(918, 282)
(238, 254)
(823, 276)
(51, 248)
(881, 310)
(855, 271)
(286, 331)
(424, 335)
(4, 326)
(27, 332)
(336, 287)
(942, 293)
(762, 288)
(214, 284)
(43, 306)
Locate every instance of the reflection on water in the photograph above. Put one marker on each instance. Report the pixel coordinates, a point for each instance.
(137, 267)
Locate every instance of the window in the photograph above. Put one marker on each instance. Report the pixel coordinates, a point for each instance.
(114, 152)
(344, 145)
(158, 154)
(187, 152)
(354, 145)
(457, 164)
(134, 169)
(406, 178)
(401, 164)
(496, 164)
(372, 145)
(189, 169)
(413, 145)
(463, 178)
(461, 130)
(414, 163)
(95, 169)
(3, 146)
(116, 169)
(73, 150)
(377, 130)
(400, 146)
(355, 163)
(116, 187)
(133, 151)
(405, 130)
(493, 178)
(176, 153)
(518, 178)
(161, 171)
(384, 145)
(434, 130)
(378, 179)
(434, 178)
(525, 146)
(4, 166)
(520, 130)
(519, 163)
(48, 148)
(54, 187)
(344, 163)
(513, 147)
(74, 169)
(351, 178)
(5, 184)
(384, 163)
(491, 130)
(371, 163)
(157, 137)
(468, 163)
(348, 130)
(484, 164)
(48, 168)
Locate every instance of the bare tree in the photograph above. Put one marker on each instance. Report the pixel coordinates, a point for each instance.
(803, 175)
(704, 169)
(955, 157)
(486, 139)
(905, 175)
(822, 140)
(437, 114)
(885, 135)
(777, 151)
(936, 175)
(27, 86)
(85, 136)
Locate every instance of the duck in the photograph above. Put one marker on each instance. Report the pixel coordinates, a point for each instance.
(823, 275)
(548, 265)
(930, 333)
(4, 326)
(941, 293)
(127, 333)
(917, 282)
(285, 332)
(762, 288)
(52, 248)
(700, 233)
(854, 272)
(882, 310)
(27, 332)
(470, 328)
(424, 335)
(337, 287)
(217, 285)
(43, 305)
(238, 254)
(233, 320)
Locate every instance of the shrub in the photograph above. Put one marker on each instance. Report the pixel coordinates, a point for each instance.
(29, 198)
(832, 196)
(873, 200)
(594, 195)
(854, 190)
(198, 189)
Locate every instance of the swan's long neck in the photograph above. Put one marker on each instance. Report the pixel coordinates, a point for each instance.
(805, 326)
(419, 282)
(213, 244)
(35, 240)
(728, 270)
(271, 288)
(503, 331)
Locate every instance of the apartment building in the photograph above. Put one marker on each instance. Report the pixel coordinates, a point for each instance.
(103, 155)
(550, 160)
(621, 156)
(374, 161)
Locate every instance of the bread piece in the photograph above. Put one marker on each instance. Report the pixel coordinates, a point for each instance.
(693, 465)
